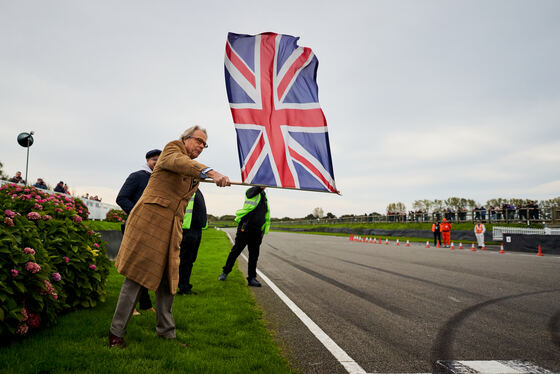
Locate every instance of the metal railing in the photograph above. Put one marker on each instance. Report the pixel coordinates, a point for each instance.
(537, 216)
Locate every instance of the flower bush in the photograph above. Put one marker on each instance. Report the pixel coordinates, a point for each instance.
(46, 259)
(115, 215)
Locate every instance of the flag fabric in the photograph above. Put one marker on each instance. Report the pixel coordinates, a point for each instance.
(282, 137)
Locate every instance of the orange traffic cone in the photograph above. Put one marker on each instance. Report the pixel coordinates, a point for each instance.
(452, 246)
(483, 247)
(540, 251)
(472, 248)
(460, 245)
(502, 248)
(379, 241)
(350, 238)
(427, 244)
(374, 240)
(398, 242)
(407, 243)
(386, 241)
(437, 246)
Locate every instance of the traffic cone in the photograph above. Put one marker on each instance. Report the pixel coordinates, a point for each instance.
(483, 247)
(460, 245)
(502, 248)
(379, 241)
(374, 240)
(540, 251)
(350, 238)
(398, 242)
(452, 246)
(472, 248)
(437, 246)
(386, 241)
(427, 244)
(407, 243)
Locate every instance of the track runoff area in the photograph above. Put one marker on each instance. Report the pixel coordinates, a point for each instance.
(389, 308)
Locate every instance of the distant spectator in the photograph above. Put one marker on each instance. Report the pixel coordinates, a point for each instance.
(483, 213)
(86, 196)
(66, 189)
(492, 212)
(511, 211)
(536, 209)
(59, 187)
(436, 229)
(40, 184)
(476, 213)
(17, 178)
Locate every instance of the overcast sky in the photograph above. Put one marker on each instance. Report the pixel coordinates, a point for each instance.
(423, 99)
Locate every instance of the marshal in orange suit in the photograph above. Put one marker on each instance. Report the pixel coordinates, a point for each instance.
(446, 233)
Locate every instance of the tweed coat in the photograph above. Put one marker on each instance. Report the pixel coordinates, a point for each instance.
(153, 234)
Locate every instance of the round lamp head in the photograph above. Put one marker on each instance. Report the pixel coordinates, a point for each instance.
(25, 139)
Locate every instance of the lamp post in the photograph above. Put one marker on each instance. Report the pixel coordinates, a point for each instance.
(26, 140)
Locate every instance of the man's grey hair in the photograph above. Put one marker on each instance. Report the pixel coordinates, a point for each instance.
(188, 132)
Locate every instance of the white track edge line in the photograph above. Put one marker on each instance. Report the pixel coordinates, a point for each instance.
(351, 366)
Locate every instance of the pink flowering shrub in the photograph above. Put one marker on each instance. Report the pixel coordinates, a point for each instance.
(46, 259)
(115, 215)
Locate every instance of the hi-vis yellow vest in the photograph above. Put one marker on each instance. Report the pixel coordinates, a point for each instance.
(188, 214)
(251, 204)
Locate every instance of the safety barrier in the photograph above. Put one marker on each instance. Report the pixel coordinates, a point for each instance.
(499, 231)
(97, 209)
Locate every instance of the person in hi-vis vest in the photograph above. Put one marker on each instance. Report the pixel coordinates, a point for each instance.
(194, 222)
(253, 222)
(479, 230)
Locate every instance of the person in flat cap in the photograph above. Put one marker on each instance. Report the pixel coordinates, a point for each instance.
(130, 193)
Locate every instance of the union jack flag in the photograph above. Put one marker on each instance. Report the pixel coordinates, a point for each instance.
(282, 137)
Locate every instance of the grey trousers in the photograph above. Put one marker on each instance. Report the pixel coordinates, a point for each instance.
(130, 293)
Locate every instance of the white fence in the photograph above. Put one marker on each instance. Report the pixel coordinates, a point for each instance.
(97, 209)
(498, 232)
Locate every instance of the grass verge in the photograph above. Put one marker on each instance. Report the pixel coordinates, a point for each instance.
(103, 225)
(222, 326)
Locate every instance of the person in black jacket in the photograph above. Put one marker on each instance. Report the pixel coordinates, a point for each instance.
(193, 223)
(59, 187)
(130, 193)
(253, 223)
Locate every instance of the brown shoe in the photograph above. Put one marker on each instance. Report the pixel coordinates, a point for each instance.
(115, 341)
(135, 312)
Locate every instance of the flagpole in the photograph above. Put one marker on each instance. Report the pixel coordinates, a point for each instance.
(279, 187)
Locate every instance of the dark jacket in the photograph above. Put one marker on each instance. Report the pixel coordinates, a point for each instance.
(199, 212)
(59, 188)
(255, 218)
(132, 190)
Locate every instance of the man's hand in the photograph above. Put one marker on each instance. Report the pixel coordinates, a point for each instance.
(219, 179)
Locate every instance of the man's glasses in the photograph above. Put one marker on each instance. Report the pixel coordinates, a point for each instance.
(199, 140)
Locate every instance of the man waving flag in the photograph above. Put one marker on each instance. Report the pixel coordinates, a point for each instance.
(282, 136)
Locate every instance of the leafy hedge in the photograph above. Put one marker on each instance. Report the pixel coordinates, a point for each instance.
(115, 215)
(50, 262)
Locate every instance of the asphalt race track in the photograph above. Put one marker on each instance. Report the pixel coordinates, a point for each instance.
(398, 309)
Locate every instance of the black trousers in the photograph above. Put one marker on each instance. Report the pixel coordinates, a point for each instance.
(437, 237)
(189, 252)
(144, 298)
(252, 239)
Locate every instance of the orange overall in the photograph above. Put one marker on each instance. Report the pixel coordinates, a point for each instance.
(446, 232)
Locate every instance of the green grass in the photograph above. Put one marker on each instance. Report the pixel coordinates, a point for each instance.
(102, 225)
(222, 326)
